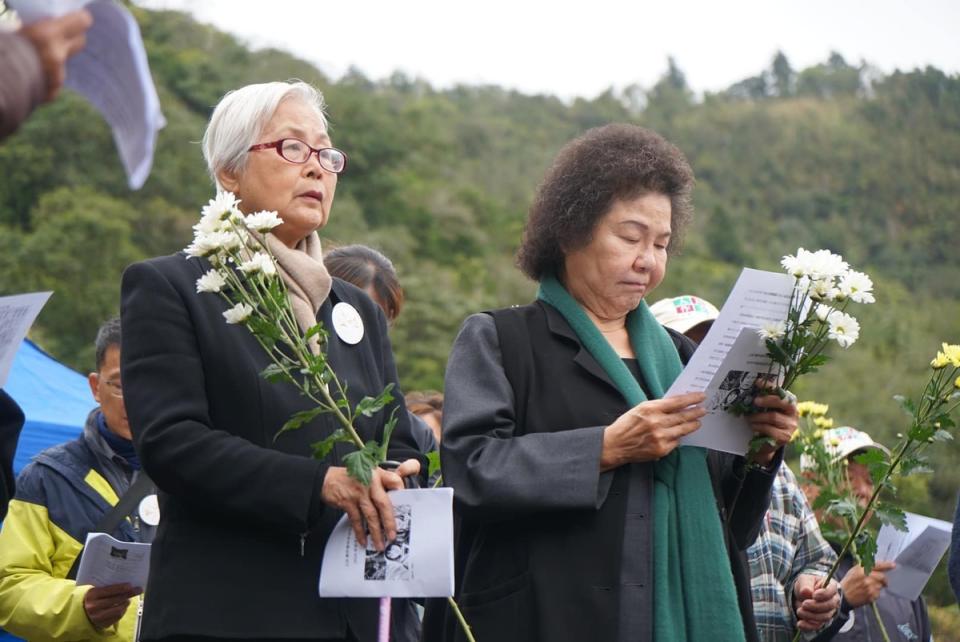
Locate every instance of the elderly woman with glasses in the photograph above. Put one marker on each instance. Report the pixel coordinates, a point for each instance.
(245, 517)
(582, 518)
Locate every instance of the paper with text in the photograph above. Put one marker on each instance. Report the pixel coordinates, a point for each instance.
(112, 73)
(106, 560)
(17, 314)
(757, 298)
(745, 362)
(418, 563)
(917, 552)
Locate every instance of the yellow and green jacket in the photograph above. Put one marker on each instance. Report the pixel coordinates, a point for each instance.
(61, 495)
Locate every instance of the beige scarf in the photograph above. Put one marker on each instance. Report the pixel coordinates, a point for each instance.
(307, 279)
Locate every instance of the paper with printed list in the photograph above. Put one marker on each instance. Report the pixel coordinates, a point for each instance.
(732, 357)
(17, 314)
(917, 551)
(106, 560)
(418, 563)
(112, 73)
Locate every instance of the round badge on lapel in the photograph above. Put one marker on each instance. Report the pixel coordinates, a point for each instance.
(347, 323)
(149, 510)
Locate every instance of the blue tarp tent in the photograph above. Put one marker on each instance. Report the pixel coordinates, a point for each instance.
(55, 401)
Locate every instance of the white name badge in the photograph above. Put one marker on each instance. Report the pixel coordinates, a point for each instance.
(149, 510)
(347, 323)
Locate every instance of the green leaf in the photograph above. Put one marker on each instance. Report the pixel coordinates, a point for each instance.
(360, 463)
(942, 435)
(867, 550)
(890, 514)
(275, 373)
(818, 360)
(824, 499)
(321, 449)
(906, 404)
(433, 462)
(388, 433)
(844, 508)
(876, 461)
(298, 419)
(264, 328)
(369, 406)
(319, 331)
(777, 353)
(911, 465)
(759, 441)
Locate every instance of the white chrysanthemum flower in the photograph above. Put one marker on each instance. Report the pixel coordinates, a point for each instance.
(844, 329)
(212, 281)
(233, 240)
(259, 263)
(238, 313)
(208, 225)
(262, 221)
(858, 286)
(821, 290)
(823, 312)
(219, 207)
(824, 264)
(205, 244)
(772, 330)
(798, 266)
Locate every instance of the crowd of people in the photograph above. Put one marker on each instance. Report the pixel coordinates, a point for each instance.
(578, 515)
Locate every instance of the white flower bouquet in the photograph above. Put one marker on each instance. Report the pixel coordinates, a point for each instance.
(824, 288)
(244, 273)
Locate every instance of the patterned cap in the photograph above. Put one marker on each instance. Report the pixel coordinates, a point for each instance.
(842, 442)
(683, 312)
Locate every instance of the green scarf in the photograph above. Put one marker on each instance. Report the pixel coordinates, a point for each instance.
(694, 597)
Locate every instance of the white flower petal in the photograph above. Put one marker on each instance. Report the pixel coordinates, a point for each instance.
(212, 281)
(262, 221)
(238, 313)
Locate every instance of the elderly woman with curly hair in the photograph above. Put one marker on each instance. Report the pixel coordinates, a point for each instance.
(581, 517)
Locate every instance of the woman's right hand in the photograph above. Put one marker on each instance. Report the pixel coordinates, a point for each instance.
(367, 506)
(651, 430)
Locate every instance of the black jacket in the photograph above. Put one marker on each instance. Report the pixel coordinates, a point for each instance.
(540, 531)
(240, 543)
(11, 422)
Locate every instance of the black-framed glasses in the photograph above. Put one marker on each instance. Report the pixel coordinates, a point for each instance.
(297, 151)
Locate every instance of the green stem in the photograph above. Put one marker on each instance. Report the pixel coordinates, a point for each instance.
(867, 509)
(461, 619)
(883, 629)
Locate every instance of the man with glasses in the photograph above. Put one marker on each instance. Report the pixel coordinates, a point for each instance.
(68, 491)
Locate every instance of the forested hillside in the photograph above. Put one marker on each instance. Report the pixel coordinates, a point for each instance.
(835, 156)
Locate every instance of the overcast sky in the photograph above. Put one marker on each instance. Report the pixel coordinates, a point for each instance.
(579, 49)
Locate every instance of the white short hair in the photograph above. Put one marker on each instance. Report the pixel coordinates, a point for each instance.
(239, 119)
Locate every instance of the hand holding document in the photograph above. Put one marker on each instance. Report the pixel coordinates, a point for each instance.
(917, 551)
(732, 357)
(113, 74)
(107, 561)
(418, 563)
(17, 314)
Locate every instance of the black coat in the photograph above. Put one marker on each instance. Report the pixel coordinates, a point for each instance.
(11, 422)
(242, 531)
(540, 531)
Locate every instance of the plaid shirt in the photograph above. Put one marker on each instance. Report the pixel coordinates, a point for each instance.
(789, 544)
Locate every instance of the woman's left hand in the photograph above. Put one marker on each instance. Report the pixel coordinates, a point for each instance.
(778, 422)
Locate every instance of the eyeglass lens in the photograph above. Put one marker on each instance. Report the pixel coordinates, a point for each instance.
(297, 151)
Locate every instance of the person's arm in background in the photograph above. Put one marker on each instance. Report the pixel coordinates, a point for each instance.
(33, 64)
(11, 422)
(953, 566)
